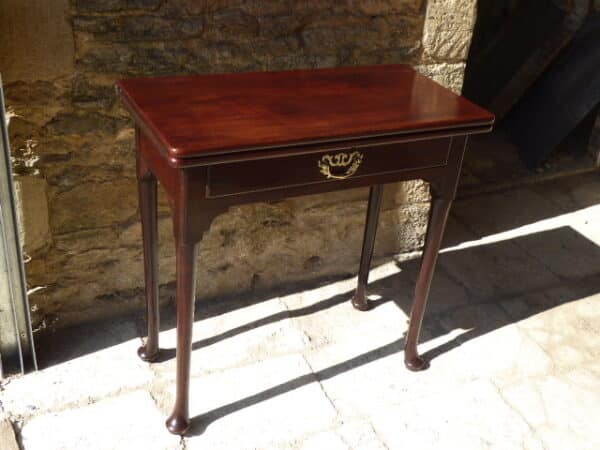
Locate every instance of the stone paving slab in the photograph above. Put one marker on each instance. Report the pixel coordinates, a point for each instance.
(339, 322)
(130, 421)
(571, 193)
(507, 210)
(8, 440)
(86, 378)
(226, 337)
(472, 417)
(261, 405)
(563, 411)
(350, 434)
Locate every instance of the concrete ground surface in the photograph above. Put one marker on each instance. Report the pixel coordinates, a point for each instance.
(512, 333)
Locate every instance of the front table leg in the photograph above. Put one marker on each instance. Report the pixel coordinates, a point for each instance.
(440, 207)
(179, 420)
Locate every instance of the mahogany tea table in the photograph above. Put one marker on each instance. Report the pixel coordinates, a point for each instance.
(219, 140)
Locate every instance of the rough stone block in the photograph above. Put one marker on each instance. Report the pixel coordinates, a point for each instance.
(448, 29)
(37, 41)
(138, 28)
(84, 123)
(449, 75)
(32, 208)
(93, 205)
(115, 5)
(93, 92)
(381, 7)
(8, 440)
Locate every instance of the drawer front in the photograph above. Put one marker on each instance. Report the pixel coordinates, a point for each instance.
(332, 166)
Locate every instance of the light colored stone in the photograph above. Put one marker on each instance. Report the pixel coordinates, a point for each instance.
(473, 416)
(8, 440)
(229, 334)
(32, 207)
(543, 403)
(258, 406)
(96, 370)
(323, 440)
(567, 333)
(360, 435)
(517, 357)
(449, 75)
(339, 322)
(129, 421)
(364, 374)
(448, 29)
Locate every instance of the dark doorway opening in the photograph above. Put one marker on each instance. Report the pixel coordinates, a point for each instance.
(536, 65)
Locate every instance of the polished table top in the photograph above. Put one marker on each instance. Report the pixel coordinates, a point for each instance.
(206, 115)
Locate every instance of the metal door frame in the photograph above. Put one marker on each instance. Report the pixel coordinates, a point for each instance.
(17, 350)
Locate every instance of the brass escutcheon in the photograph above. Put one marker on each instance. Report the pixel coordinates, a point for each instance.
(341, 165)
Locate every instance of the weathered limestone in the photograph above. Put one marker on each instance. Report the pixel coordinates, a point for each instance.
(73, 144)
(37, 41)
(34, 229)
(8, 440)
(448, 28)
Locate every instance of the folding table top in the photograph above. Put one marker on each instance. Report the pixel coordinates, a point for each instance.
(205, 115)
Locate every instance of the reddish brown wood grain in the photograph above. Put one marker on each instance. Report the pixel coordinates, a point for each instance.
(205, 115)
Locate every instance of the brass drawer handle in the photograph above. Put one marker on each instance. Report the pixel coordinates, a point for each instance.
(341, 165)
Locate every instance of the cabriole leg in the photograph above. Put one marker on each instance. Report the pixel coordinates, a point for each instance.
(440, 207)
(148, 210)
(360, 301)
(179, 420)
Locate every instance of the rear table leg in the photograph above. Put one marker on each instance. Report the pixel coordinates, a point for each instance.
(148, 210)
(360, 301)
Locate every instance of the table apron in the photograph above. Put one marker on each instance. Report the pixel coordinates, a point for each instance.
(343, 166)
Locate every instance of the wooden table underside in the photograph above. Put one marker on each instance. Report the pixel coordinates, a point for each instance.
(273, 165)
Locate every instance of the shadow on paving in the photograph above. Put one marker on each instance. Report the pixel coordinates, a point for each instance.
(552, 290)
(519, 277)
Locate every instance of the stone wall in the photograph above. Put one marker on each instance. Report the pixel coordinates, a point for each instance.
(73, 144)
